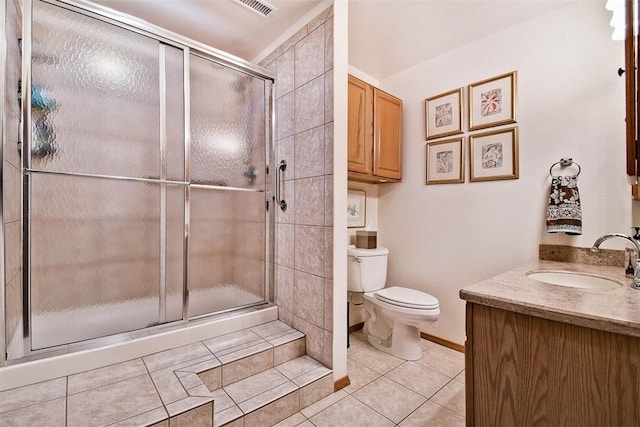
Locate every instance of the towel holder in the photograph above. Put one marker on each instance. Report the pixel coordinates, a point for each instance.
(565, 162)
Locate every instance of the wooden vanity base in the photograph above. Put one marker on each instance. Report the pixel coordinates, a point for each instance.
(524, 370)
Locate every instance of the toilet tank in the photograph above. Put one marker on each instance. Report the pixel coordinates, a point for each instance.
(366, 268)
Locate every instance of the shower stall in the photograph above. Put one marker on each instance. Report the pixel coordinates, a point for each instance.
(146, 179)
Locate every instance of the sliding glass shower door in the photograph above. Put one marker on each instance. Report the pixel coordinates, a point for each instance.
(228, 234)
(105, 179)
(145, 179)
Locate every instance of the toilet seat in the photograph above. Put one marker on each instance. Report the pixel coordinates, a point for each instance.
(408, 298)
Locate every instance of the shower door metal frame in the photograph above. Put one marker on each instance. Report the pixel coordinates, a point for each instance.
(188, 46)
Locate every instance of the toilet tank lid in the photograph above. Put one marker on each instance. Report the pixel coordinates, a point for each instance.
(353, 251)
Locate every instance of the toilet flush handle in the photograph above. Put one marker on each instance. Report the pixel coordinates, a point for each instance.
(357, 259)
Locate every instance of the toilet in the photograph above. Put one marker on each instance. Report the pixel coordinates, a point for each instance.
(393, 315)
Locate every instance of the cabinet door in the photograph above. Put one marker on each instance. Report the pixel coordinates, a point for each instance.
(387, 135)
(360, 126)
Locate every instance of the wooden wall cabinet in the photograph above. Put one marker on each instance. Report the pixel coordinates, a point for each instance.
(523, 370)
(375, 134)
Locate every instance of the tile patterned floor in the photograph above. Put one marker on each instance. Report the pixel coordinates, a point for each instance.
(386, 391)
(179, 386)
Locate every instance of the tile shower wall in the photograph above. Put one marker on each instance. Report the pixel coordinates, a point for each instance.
(11, 175)
(303, 66)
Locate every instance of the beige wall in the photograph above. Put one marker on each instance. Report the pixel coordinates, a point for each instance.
(303, 66)
(570, 104)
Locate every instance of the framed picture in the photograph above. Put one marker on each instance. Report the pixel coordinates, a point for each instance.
(492, 102)
(356, 208)
(494, 155)
(443, 114)
(445, 163)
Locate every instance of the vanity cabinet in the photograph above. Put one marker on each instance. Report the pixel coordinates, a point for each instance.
(375, 134)
(527, 370)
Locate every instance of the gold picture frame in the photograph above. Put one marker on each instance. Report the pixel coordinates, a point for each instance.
(443, 114)
(492, 102)
(445, 161)
(494, 155)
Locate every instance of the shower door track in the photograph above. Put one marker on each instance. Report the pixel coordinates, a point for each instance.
(189, 47)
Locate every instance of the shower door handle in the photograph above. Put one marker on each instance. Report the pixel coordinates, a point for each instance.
(281, 168)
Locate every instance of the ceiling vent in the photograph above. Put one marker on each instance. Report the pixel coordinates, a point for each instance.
(260, 7)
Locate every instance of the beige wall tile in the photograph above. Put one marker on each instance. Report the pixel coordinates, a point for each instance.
(286, 352)
(309, 57)
(309, 209)
(211, 378)
(308, 298)
(309, 152)
(327, 350)
(302, 33)
(328, 305)
(285, 116)
(315, 391)
(12, 195)
(200, 416)
(285, 245)
(246, 367)
(284, 291)
(286, 316)
(13, 295)
(13, 248)
(155, 418)
(318, 21)
(309, 105)
(328, 149)
(328, 96)
(328, 44)
(314, 337)
(284, 73)
(309, 254)
(328, 253)
(275, 412)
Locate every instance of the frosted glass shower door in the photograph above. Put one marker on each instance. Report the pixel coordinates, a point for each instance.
(227, 242)
(105, 188)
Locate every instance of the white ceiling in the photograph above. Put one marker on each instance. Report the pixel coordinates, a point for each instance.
(385, 36)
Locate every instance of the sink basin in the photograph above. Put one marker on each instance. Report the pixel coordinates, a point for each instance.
(574, 280)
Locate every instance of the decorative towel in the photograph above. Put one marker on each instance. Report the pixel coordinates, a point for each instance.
(564, 213)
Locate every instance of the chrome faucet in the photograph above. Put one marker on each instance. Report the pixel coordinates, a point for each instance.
(636, 274)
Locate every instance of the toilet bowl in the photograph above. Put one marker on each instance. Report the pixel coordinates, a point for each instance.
(393, 315)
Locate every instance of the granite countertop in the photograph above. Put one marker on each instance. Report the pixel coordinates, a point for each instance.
(616, 310)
